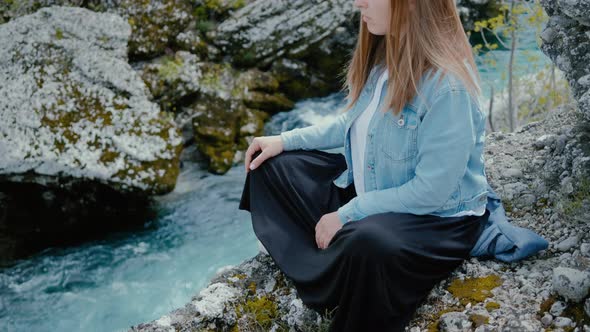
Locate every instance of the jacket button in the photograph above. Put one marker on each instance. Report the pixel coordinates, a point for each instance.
(401, 121)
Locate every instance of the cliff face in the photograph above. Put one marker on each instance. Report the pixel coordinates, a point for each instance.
(540, 172)
(566, 40)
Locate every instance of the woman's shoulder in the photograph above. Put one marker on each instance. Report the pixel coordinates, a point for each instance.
(440, 80)
(442, 84)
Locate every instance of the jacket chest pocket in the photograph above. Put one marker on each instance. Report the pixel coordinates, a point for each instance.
(400, 135)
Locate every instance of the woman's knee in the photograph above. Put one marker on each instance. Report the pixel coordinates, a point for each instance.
(371, 239)
(274, 168)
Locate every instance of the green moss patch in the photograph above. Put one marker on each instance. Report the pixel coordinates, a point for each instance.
(474, 290)
(261, 312)
(479, 320)
(491, 306)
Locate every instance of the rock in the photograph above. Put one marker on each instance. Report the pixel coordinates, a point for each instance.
(587, 307)
(557, 308)
(571, 283)
(154, 24)
(80, 110)
(527, 199)
(568, 243)
(221, 119)
(567, 185)
(454, 322)
(211, 300)
(173, 78)
(543, 141)
(546, 320)
(562, 322)
(585, 249)
(513, 173)
(263, 31)
(82, 144)
(565, 41)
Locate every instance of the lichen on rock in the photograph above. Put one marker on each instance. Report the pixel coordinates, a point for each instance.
(73, 106)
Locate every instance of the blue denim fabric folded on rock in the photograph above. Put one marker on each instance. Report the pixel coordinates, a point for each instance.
(426, 160)
(503, 240)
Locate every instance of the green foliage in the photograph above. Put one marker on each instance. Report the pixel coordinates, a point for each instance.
(544, 92)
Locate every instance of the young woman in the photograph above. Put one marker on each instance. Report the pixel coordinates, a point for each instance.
(370, 233)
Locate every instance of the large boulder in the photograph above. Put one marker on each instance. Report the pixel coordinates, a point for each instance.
(263, 31)
(79, 132)
(73, 106)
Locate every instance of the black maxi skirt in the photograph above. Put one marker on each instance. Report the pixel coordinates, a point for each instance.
(377, 270)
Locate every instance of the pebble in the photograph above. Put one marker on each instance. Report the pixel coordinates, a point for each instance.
(528, 199)
(568, 243)
(543, 141)
(557, 308)
(562, 322)
(454, 322)
(546, 320)
(513, 173)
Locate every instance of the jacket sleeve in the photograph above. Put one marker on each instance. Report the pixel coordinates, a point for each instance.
(446, 139)
(325, 135)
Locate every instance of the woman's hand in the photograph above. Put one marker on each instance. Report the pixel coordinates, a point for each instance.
(270, 147)
(325, 229)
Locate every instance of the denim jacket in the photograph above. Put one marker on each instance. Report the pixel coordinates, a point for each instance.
(427, 160)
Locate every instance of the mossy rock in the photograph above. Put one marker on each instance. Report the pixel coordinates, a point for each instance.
(172, 79)
(260, 312)
(435, 318)
(474, 290)
(214, 11)
(257, 80)
(154, 24)
(298, 81)
(216, 132)
(228, 111)
(574, 311)
(192, 40)
(217, 79)
(272, 103)
(92, 116)
(546, 305)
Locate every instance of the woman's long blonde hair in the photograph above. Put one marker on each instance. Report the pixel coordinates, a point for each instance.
(429, 37)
